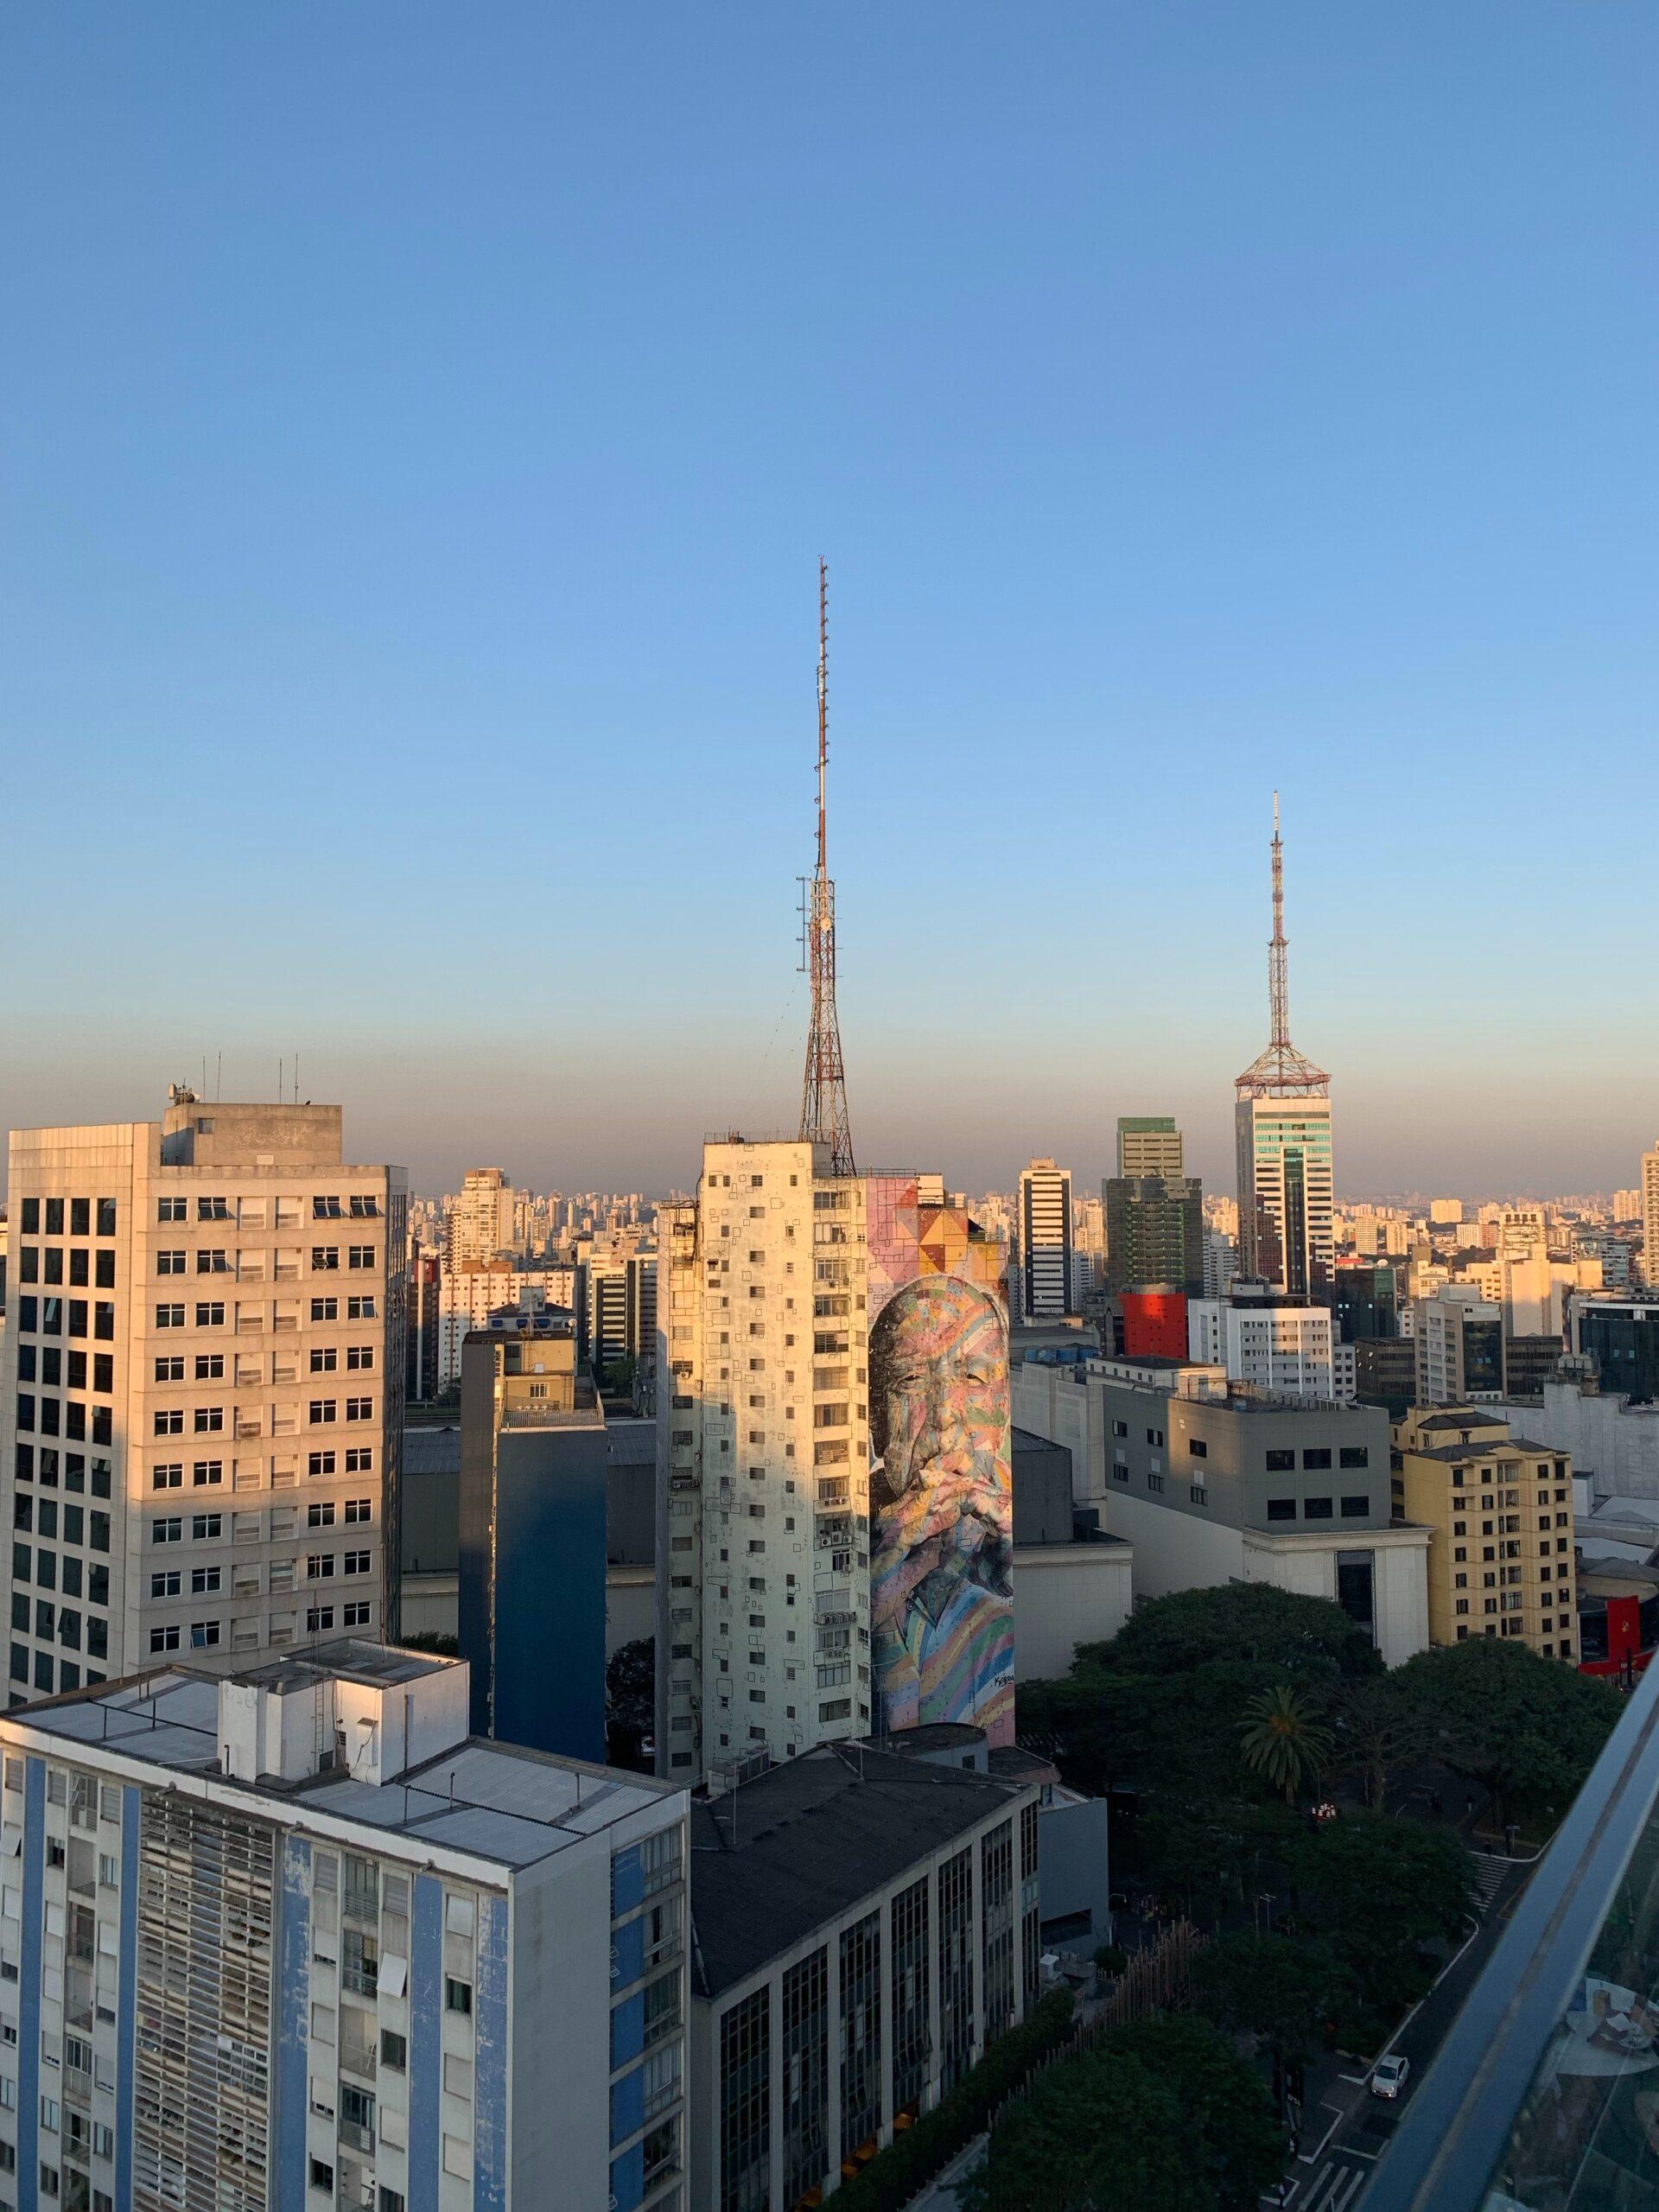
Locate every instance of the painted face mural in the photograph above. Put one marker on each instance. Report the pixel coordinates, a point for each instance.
(940, 1505)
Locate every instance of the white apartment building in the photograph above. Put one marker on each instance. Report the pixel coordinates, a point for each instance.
(1046, 1289)
(290, 1938)
(1284, 1350)
(1458, 1337)
(1649, 1203)
(482, 1218)
(201, 1390)
(763, 1642)
(467, 1296)
(1286, 1200)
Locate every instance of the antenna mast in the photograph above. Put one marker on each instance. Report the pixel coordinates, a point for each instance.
(1281, 1070)
(823, 1092)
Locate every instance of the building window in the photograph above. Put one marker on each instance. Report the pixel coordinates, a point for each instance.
(1281, 1463)
(806, 2074)
(1197, 1446)
(1316, 1508)
(1317, 1457)
(1354, 1455)
(746, 2103)
(457, 1996)
(1356, 1508)
(1282, 1508)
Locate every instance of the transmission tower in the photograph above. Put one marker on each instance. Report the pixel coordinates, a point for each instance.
(823, 1092)
(1281, 1070)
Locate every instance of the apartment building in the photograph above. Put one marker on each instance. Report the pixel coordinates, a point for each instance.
(763, 1543)
(809, 1326)
(1499, 1508)
(865, 1924)
(482, 1219)
(619, 1306)
(1278, 1346)
(1458, 1339)
(1150, 1144)
(288, 1937)
(1046, 1267)
(468, 1295)
(201, 1390)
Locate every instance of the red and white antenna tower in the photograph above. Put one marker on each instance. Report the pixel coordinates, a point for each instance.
(1281, 1070)
(823, 1093)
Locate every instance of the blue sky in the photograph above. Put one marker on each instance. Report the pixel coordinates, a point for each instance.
(421, 426)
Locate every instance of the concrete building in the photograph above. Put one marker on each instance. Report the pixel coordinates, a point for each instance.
(468, 1295)
(1269, 1343)
(1499, 1508)
(794, 1338)
(1154, 1233)
(865, 1924)
(1459, 1343)
(1650, 1188)
(763, 1537)
(1150, 1144)
(1613, 1445)
(1211, 1487)
(1622, 1336)
(1073, 1584)
(480, 1219)
(290, 1938)
(201, 1390)
(1285, 1191)
(618, 1307)
(1046, 1241)
(532, 1576)
(421, 1363)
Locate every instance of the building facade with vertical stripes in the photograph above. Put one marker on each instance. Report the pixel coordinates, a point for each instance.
(289, 1938)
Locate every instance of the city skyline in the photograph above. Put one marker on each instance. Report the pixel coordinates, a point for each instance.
(371, 523)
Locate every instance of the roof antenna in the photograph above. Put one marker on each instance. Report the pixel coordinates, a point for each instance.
(823, 1092)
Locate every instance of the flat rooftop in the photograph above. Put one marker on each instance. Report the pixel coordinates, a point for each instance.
(779, 1857)
(501, 1804)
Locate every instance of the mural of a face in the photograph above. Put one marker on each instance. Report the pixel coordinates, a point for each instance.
(941, 1593)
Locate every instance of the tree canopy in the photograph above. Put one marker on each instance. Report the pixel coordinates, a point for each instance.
(1529, 1728)
(1160, 2117)
(1283, 1739)
(1293, 1635)
(1282, 1989)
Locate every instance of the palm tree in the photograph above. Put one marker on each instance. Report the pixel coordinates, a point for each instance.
(1284, 1740)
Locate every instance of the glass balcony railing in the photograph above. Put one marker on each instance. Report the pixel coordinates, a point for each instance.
(1544, 2096)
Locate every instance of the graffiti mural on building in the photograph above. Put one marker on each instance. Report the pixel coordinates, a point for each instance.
(941, 1497)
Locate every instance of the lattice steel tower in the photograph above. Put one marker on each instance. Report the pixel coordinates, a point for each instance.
(1280, 1071)
(823, 1092)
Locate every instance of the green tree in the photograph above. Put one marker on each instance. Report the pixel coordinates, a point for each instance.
(1529, 1728)
(1284, 1740)
(1160, 2117)
(1295, 1635)
(1378, 1890)
(1378, 1730)
(631, 1685)
(1281, 1988)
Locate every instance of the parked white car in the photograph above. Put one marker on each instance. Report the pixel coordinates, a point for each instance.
(1389, 2077)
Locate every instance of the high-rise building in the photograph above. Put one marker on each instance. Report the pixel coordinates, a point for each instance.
(1458, 1339)
(619, 1291)
(1149, 1144)
(1651, 1217)
(1365, 1300)
(1282, 1127)
(202, 1390)
(307, 1943)
(531, 1588)
(467, 1296)
(1622, 1336)
(830, 1350)
(1500, 1558)
(420, 1332)
(1271, 1345)
(1154, 1233)
(480, 1219)
(1046, 1241)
